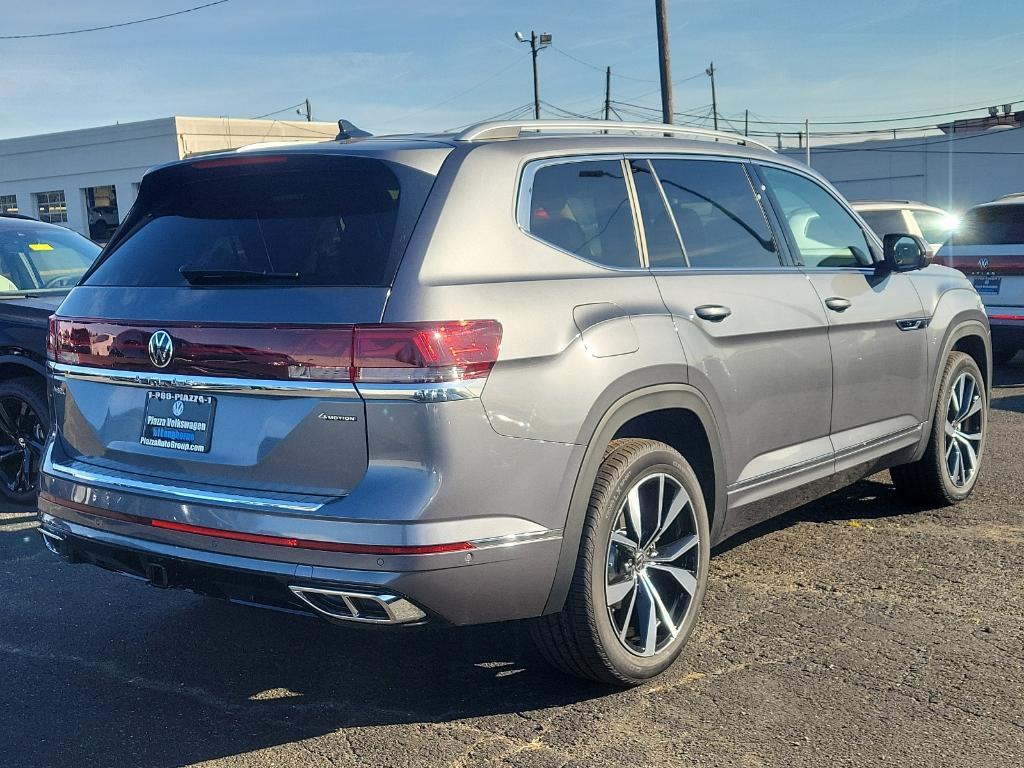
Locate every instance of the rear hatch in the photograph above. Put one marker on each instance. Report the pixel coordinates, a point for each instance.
(988, 247)
(212, 342)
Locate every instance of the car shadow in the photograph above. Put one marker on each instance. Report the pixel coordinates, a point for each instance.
(126, 674)
(869, 499)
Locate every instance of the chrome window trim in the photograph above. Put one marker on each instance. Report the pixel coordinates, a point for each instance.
(524, 196)
(215, 385)
(146, 488)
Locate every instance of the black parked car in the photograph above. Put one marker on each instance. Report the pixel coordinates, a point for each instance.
(39, 264)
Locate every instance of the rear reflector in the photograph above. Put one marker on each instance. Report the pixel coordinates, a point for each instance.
(399, 353)
(1018, 318)
(257, 538)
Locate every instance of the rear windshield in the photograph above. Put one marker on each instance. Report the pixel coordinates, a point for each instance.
(992, 225)
(302, 220)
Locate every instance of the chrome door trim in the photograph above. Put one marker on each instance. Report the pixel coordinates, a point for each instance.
(214, 385)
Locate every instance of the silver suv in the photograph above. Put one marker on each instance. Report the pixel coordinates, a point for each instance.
(526, 371)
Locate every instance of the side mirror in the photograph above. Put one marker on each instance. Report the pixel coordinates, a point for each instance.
(904, 253)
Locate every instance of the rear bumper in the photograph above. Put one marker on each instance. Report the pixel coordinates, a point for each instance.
(495, 582)
(1007, 326)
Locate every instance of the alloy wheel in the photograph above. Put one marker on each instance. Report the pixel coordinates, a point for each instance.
(964, 430)
(22, 436)
(651, 573)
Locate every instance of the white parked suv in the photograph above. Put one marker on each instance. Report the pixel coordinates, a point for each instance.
(931, 224)
(989, 248)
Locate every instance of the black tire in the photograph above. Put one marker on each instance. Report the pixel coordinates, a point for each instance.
(927, 481)
(26, 416)
(1002, 355)
(581, 639)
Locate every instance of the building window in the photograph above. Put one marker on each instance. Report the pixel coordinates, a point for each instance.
(8, 203)
(101, 203)
(52, 207)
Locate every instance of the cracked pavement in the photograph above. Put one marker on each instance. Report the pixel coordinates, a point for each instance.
(850, 632)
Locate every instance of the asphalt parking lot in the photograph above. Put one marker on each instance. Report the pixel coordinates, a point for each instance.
(848, 632)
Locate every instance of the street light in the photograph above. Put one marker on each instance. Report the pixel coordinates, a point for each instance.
(537, 43)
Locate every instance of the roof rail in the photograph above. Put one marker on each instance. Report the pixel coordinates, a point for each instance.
(515, 128)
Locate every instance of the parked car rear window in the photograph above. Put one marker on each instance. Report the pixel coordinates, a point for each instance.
(583, 208)
(36, 257)
(341, 221)
(991, 225)
(719, 219)
(935, 227)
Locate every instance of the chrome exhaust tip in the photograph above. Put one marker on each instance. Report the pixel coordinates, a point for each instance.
(363, 607)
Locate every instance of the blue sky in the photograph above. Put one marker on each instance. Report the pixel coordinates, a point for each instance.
(404, 65)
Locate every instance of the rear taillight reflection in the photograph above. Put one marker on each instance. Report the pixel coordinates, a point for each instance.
(379, 353)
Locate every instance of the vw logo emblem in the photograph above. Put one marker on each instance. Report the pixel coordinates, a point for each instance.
(983, 262)
(161, 349)
(178, 408)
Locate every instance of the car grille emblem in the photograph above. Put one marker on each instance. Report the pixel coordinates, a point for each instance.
(983, 262)
(161, 349)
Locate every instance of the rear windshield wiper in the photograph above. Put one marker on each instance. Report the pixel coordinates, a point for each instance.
(203, 276)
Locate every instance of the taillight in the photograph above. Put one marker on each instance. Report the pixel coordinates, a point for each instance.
(401, 353)
(425, 352)
(51, 339)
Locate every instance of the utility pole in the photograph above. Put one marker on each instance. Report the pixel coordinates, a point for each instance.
(607, 93)
(807, 132)
(308, 111)
(746, 122)
(665, 66)
(537, 44)
(710, 72)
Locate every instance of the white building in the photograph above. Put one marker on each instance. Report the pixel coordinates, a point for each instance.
(955, 170)
(89, 178)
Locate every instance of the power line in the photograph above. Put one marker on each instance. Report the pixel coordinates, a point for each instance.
(113, 26)
(278, 111)
(460, 94)
(601, 69)
(904, 118)
(910, 148)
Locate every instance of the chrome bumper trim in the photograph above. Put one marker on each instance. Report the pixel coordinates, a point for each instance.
(214, 385)
(517, 538)
(438, 392)
(146, 488)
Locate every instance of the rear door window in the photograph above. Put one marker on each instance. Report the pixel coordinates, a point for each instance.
(663, 247)
(719, 218)
(583, 208)
(288, 219)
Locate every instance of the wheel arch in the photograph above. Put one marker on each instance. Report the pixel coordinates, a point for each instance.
(676, 414)
(17, 366)
(972, 337)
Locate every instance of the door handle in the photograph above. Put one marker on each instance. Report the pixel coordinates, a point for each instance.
(837, 303)
(713, 313)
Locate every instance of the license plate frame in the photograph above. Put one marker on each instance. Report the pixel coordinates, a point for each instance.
(178, 421)
(988, 286)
